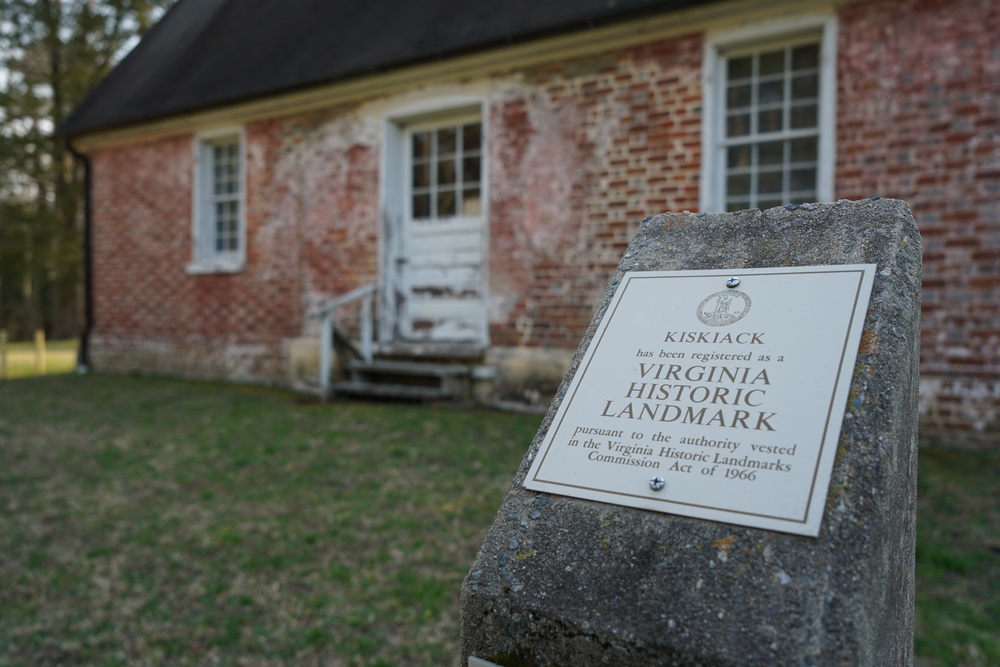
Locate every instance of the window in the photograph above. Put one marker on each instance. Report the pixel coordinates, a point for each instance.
(769, 121)
(772, 129)
(446, 171)
(219, 205)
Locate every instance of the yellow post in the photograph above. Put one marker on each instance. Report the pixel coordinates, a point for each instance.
(40, 351)
(3, 354)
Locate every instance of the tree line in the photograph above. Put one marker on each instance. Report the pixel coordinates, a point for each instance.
(52, 53)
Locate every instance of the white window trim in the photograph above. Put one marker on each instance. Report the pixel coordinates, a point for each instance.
(395, 176)
(713, 92)
(216, 262)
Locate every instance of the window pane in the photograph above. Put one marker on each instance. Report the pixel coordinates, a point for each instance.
(218, 212)
(771, 152)
(802, 179)
(740, 68)
(421, 145)
(770, 95)
(226, 241)
(804, 150)
(771, 92)
(805, 86)
(772, 62)
(471, 137)
(446, 172)
(421, 175)
(803, 196)
(769, 120)
(221, 211)
(739, 96)
(804, 116)
(738, 125)
(471, 202)
(226, 226)
(446, 203)
(225, 169)
(470, 170)
(446, 140)
(738, 156)
(738, 184)
(769, 182)
(225, 181)
(422, 206)
(805, 56)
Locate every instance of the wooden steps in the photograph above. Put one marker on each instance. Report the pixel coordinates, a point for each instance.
(406, 380)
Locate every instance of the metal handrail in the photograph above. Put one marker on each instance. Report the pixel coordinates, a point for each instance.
(366, 294)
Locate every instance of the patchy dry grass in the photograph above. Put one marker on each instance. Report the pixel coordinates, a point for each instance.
(151, 522)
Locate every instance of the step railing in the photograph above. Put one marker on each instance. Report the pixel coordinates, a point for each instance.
(366, 294)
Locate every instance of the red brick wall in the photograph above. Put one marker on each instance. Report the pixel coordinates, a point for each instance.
(311, 233)
(578, 153)
(321, 172)
(919, 120)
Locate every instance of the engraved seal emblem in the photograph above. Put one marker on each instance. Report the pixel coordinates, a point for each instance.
(723, 308)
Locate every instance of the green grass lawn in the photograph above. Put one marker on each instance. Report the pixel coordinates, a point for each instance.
(958, 558)
(60, 357)
(154, 522)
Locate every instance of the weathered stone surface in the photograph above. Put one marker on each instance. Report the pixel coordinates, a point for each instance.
(564, 581)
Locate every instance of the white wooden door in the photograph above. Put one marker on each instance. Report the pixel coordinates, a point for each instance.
(441, 291)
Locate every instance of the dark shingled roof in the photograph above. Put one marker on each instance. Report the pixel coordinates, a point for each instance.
(209, 53)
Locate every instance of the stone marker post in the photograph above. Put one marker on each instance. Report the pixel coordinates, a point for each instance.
(561, 580)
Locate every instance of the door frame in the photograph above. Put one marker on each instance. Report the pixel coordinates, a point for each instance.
(394, 202)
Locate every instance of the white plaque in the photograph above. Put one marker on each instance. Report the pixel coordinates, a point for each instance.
(707, 399)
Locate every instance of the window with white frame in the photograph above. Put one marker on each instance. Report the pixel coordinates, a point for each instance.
(219, 205)
(769, 139)
(446, 171)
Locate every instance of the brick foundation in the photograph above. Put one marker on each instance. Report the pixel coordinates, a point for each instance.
(193, 357)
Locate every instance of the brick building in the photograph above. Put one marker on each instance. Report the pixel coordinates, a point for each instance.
(485, 166)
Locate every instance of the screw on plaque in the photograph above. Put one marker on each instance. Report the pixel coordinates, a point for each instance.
(733, 282)
(657, 483)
